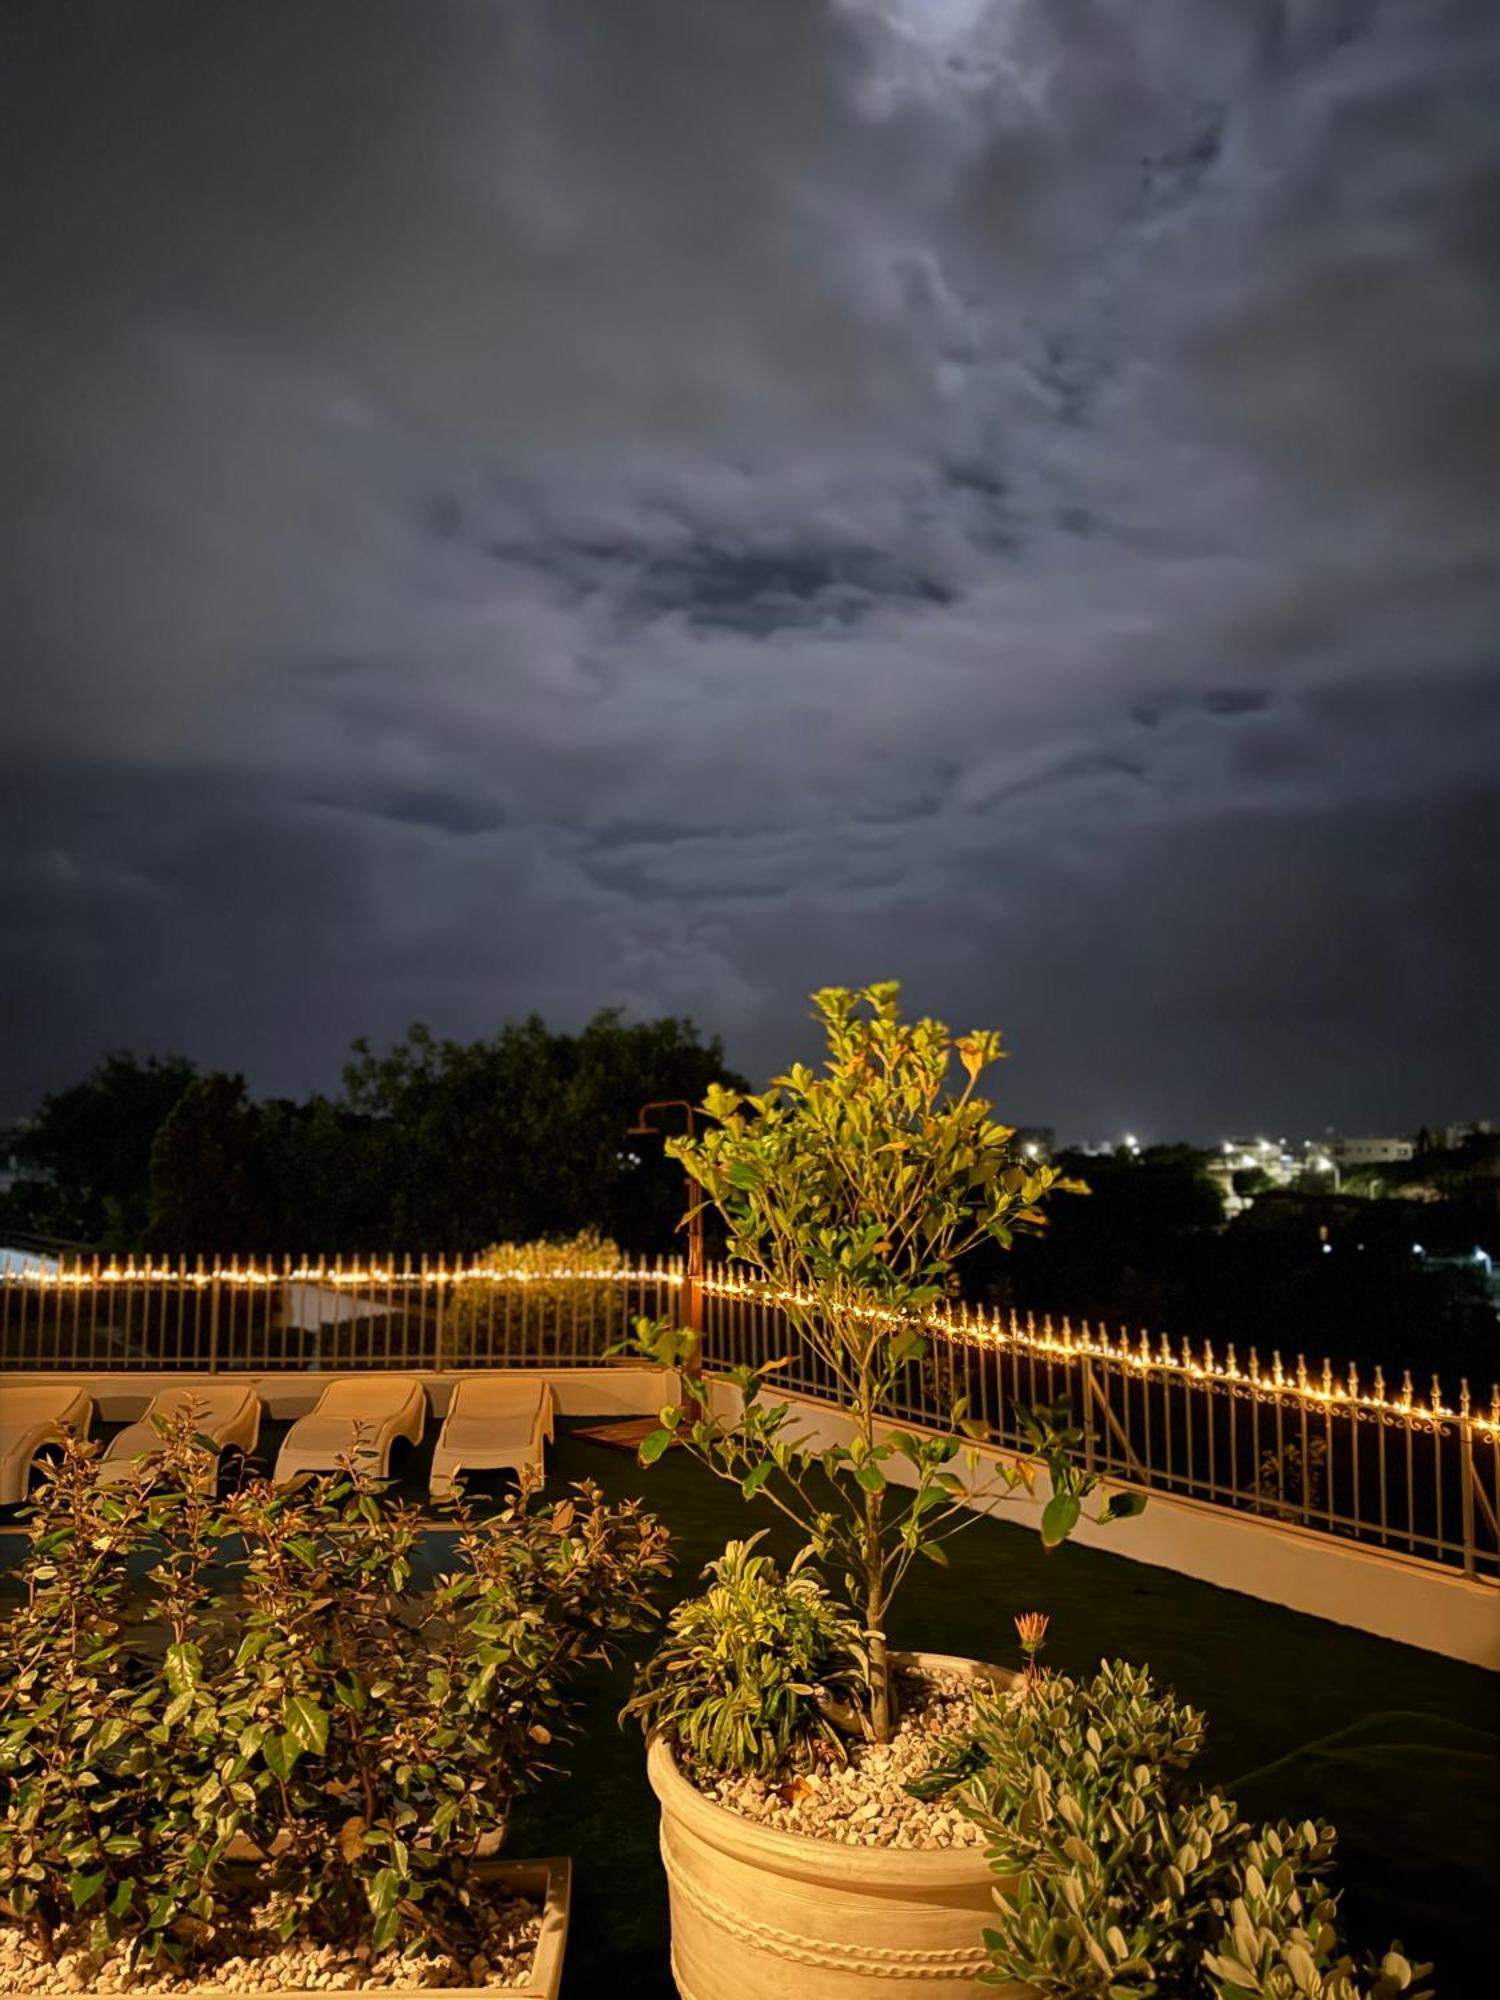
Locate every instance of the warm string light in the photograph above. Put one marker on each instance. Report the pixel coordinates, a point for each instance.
(252, 1276)
(969, 1327)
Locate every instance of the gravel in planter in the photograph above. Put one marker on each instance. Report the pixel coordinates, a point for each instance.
(864, 1802)
(249, 1961)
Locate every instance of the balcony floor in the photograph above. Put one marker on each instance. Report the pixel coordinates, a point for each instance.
(1400, 1748)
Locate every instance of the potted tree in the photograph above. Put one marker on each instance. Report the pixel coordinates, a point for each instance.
(244, 1744)
(849, 1195)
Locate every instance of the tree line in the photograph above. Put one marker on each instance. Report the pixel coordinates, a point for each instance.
(431, 1145)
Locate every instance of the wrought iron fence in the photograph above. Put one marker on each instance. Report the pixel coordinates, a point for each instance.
(1386, 1466)
(427, 1313)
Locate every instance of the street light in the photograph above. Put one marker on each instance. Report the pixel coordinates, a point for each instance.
(693, 1286)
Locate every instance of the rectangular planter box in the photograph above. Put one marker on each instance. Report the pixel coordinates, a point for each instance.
(549, 1881)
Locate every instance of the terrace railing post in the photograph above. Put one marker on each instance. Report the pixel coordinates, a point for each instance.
(1087, 1412)
(215, 1290)
(1466, 1476)
(442, 1301)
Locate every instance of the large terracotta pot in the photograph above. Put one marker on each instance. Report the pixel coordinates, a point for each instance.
(758, 1914)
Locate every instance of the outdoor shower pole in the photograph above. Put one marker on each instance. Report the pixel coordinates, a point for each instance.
(692, 1302)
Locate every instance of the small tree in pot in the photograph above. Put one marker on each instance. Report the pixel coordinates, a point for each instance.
(851, 1194)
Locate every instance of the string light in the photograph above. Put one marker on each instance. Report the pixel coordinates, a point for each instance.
(968, 1327)
(251, 1276)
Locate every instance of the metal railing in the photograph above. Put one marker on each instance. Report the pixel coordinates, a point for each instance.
(1383, 1466)
(196, 1316)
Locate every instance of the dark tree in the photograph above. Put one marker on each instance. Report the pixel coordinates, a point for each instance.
(526, 1135)
(85, 1158)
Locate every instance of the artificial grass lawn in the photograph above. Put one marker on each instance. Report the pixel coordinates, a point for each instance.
(1398, 1747)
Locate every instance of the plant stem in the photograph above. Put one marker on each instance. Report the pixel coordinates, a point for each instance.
(881, 1716)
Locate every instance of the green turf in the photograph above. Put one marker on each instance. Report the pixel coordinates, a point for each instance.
(1400, 1747)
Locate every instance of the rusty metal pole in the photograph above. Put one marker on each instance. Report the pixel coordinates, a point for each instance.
(691, 1313)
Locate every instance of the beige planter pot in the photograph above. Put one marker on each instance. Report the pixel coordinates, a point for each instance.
(550, 1880)
(758, 1914)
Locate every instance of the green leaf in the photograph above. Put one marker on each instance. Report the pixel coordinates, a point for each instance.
(82, 1887)
(280, 1754)
(871, 1478)
(753, 1480)
(1060, 1518)
(306, 1724)
(183, 1667)
(383, 1890)
(653, 1446)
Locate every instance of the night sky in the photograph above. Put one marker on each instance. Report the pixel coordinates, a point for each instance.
(525, 504)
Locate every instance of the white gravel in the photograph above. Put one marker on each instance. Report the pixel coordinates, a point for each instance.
(250, 1961)
(863, 1802)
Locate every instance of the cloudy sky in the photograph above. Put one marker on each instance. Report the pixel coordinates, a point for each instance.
(550, 503)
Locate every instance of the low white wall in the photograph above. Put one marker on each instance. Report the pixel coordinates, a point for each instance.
(1382, 1593)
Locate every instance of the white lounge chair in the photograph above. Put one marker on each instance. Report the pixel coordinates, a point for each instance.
(227, 1412)
(492, 1421)
(358, 1416)
(33, 1415)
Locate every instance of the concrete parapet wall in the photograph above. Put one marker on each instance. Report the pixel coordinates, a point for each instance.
(1372, 1590)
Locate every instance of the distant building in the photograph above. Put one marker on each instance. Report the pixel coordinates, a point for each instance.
(1368, 1152)
(1452, 1138)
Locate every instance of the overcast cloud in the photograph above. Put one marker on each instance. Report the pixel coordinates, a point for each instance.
(552, 503)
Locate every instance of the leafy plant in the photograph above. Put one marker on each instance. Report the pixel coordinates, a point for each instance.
(548, 1305)
(751, 1675)
(1120, 1879)
(852, 1193)
(387, 1731)
(358, 1736)
(98, 1778)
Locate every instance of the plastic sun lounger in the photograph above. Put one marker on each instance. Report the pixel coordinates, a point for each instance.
(492, 1421)
(33, 1415)
(227, 1412)
(359, 1416)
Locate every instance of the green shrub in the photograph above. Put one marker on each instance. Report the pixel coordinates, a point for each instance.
(99, 1820)
(534, 1304)
(356, 1736)
(749, 1676)
(1119, 1878)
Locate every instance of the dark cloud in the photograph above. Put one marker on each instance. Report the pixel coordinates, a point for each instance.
(546, 505)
